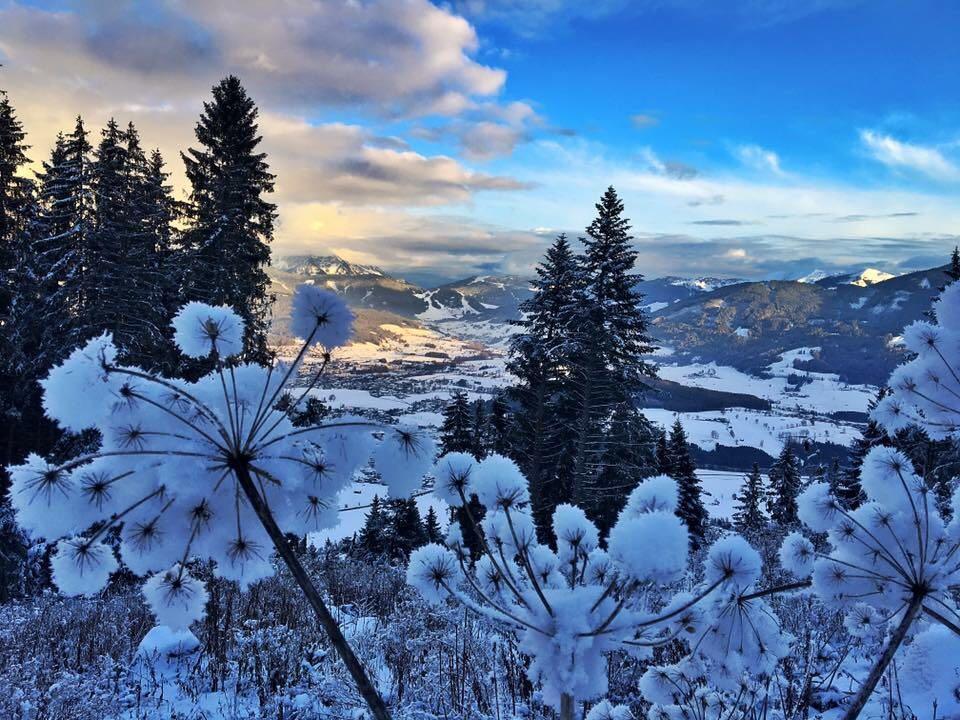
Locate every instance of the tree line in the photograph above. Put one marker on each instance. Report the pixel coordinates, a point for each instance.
(96, 241)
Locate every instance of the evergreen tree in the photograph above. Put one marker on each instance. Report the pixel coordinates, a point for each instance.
(662, 454)
(784, 487)
(62, 254)
(456, 435)
(480, 430)
(405, 530)
(629, 457)
(230, 223)
(540, 358)
(456, 430)
(690, 501)
(608, 366)
(847, 484)
(953, 272)
(16, 209)
(16, 198)
(431, 527)
(747, 515)
(372, 536)
(499, 440)
(127, 286)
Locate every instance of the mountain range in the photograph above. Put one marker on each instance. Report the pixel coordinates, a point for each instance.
(855, 319)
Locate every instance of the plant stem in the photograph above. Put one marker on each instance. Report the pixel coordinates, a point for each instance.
(329, 624)
(567, 706)
(880, 667)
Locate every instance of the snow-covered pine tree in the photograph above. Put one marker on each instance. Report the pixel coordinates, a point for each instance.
(126, 286)
(226, 245)
(63, 314)
(405, 528)
(499, 440)
(16, 197)
(480, 430)
(847, 486)
(540, 358)
(629, 458)
(690, 507)
(371, 538)
(747, 516)
(456, 430)
(159, 212)
(784, 487)
(456, 436)
(664, 466)
(609, 361)
(16, 206)
(431, 526)
(953, 272)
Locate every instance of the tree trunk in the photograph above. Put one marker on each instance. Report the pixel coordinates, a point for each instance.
(896, 639)
(329, 624)
(567, 707)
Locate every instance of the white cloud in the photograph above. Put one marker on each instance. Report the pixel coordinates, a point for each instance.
(758, 158)
(919, 158)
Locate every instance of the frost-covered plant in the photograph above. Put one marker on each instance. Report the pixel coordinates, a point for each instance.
(926, 390)
(213, 469)
(572, 606)
(894, 563)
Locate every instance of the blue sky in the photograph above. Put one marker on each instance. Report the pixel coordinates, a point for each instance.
(750, 138)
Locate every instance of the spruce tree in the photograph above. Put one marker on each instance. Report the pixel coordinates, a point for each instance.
(405, 528)
(16, 198)
(431, 527)
(609, 362)
(690, 507)
(456, 430)
(539, 358)
(662, 454)
(629, 457)
(62, 253)
(127, 276)
(747, 516)
(499, 439)
(847, 484)
(953, 272)
(16, 209)
(230, 222)
(480, 430)
(372, 535)
(784, 487)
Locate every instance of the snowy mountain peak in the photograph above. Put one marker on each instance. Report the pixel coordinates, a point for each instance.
(704, 284)
(871, 276)
(311, 265)
(866, 277)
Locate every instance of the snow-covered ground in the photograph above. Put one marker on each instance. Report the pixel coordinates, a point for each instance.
(821, 392)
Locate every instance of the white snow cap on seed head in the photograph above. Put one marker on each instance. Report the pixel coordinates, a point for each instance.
(887, 477)
(817, 508)
(652, 546)
(733, 560)
(78, 392)
(82, 567)
(453, 473)
(321, 316)
(576, 535)
(402, 458)
(797, 555)
(656, 493)
(498, 482)
(200, 329)
(175, 597)
(432, 570)
(604, 710)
